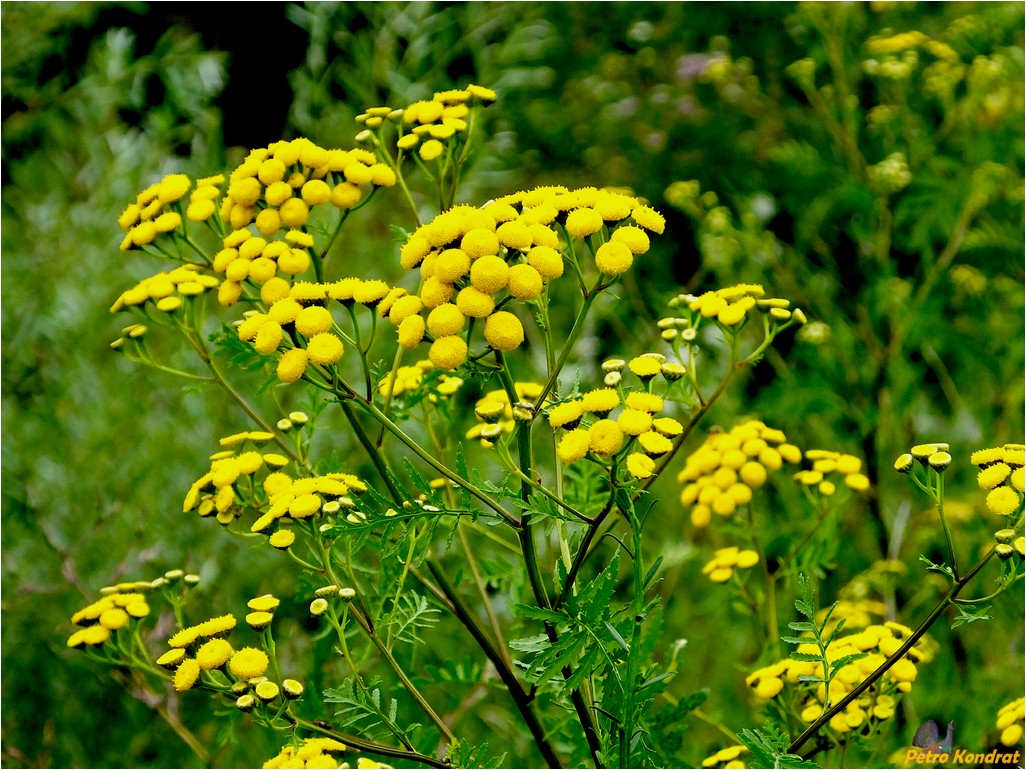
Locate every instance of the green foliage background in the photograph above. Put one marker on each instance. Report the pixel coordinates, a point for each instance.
(100, 99)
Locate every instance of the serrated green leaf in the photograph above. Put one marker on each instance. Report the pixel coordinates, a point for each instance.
(803, 625)
(798, 639)
(810, 678)
(806, 657)
(837, 665)
(542, 614)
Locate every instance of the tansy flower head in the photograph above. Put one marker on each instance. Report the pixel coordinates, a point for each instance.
(248, 662)
(186, 674)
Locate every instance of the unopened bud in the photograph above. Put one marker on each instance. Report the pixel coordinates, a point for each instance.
(318, 607)
(614, 365)
(258, 621)
(612, 379)
(292, 689)
(939, 461)
(799, 316)
(246, 702)
(299, 418)
(489, 411)
(284, 425)
(1004, 551)
(904, 463)
(325, 591)
(346, 594)
(523, 411)
(922, 452)
(1005, 535)
(266, 691)
(672, 371)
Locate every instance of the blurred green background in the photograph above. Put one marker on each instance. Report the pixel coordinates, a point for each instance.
(878, 185)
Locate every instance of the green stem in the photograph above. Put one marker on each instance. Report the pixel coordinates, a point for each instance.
(424, 455)
(516, 690)
(370, 747)
(575, 332)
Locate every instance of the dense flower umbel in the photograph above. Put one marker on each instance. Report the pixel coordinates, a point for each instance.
(409, 379)
(1001, 475)
(108, 615)
(275, 192)
(474, 260)
(433, 127)
(157, 209)
(877, 703)
(726, 560)
(229, 488)
(721, 474)
(827, 465)
(167, 291)
(730, 306)
(1011, 720)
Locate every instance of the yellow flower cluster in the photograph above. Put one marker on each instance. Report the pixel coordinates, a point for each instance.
(297, 318)
(107, 615)
(732, 305)
(636, 430)
(431, 124)
(410, 378)
(305, 497)
(909, 41)
(726, 758)
(314, 752)
(204, 647)
(215, 493)
(827, 463)
(877, 703)
(721, 474)
(167, 290)
(1010, 722)
(725, 560)
(472, 260)
(275, 190)
(153, 213)
(319, 752)
(495, 413)
(1002, 475)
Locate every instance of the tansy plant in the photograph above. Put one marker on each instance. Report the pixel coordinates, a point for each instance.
(488, 485)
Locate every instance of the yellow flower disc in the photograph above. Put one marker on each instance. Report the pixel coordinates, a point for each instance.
(1002, 501)
(248, 662)
(606, 437)
(504, 331)
(574, 445)
(324, 348)
(186, 674)
(614, 258)
(447, 353)
(292, 365)
(213, 654)
(313, 320)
